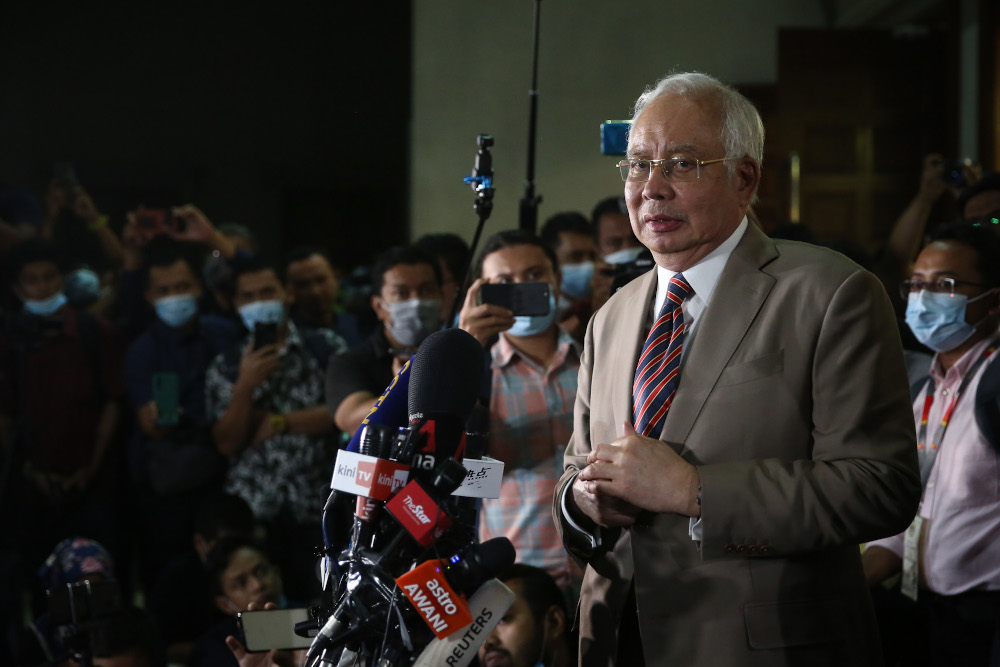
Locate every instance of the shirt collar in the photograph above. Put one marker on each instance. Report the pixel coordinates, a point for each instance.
(503, 352)
(703, 276)
(962, 366)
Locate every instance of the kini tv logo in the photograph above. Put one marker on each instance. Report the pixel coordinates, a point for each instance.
(368, 476)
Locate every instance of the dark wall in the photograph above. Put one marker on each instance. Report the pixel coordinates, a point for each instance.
(291, 118)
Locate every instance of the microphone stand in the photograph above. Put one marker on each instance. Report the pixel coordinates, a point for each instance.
(528, 218)
(481, 181)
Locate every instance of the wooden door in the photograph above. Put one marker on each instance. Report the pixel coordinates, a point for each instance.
(860, 108)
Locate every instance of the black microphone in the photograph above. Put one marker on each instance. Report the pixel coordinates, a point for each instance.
(443, 389)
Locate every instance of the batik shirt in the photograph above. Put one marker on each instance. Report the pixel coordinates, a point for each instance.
(289, 474)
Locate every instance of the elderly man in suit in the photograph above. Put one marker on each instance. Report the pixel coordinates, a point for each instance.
(772, 428)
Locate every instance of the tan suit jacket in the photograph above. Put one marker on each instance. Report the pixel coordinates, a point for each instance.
(794, 405)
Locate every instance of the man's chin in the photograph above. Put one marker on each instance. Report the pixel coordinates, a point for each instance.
(495, 659)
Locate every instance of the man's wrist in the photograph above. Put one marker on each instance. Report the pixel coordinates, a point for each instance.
(99, 222)
(279, 423)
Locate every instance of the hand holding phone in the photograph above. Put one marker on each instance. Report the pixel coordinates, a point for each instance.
(480, 319)
(269, 629)
(166, 396)
(264, 334)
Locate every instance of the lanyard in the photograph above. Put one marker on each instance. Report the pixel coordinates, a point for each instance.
(928, 451)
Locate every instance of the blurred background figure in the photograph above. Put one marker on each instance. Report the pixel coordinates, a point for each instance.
(536, 629)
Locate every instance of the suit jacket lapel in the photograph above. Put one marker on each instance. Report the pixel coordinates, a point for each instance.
(634, 314)
(737, 298)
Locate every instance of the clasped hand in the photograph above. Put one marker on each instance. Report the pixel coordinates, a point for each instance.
(632, 474)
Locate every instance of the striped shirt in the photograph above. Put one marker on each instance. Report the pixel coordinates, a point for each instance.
(531, 419)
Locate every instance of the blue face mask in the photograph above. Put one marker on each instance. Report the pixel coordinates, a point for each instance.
(529, 325)
(265, 312)
(45, 307)
(176, 310)
(576, 279)
(938, 320)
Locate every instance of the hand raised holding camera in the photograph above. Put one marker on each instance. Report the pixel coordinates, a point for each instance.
(256, 365)
(483, 320)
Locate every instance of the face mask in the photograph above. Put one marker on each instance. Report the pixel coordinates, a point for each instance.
(177, 310)
(624, 256)
(938, 320)
(529, 325)
(576, 279)
(264, 312)
(45, 307)
(83, 287)
(410, 322)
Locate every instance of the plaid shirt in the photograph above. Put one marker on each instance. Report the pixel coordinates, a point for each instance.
(531, 419)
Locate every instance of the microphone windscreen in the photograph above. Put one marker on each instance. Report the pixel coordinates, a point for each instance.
(495, 556)
(468, 570)
(446, 376)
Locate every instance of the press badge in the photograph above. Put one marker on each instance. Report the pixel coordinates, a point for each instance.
(911, 566)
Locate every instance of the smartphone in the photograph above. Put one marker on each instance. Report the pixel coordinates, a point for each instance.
(521, 298)
(265, 333)
(166, 396)
(274, 629)
(155, 221)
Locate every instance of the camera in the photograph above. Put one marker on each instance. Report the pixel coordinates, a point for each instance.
(82, 613)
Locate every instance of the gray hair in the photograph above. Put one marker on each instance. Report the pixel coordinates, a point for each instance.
(742, 130)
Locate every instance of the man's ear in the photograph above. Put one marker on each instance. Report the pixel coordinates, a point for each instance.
(747, 177)
(555, 622)
(379, 307)
(225, 605)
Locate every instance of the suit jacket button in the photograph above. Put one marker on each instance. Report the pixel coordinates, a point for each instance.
(741, 549)
(729, 548)
(752, 549)
(765, 549)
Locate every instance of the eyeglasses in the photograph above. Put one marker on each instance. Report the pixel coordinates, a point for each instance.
(939, 286)
(674, 169)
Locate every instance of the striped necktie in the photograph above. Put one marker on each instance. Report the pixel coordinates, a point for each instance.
(656, 373)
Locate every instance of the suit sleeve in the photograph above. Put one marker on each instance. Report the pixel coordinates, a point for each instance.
(582, 538)
(861, 481)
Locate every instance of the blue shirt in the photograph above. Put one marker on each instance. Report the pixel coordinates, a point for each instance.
(188, 353)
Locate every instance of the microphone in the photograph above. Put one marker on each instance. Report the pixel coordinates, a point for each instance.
(443, 389)
(460, 627)
(376, 440)
(442, 384)
(391, 407)
(486, 607)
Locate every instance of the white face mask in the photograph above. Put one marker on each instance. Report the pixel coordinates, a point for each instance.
(411, 321)
(624, 256)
